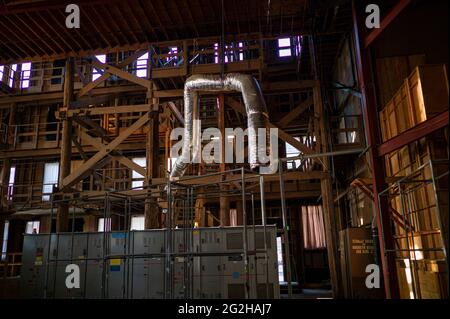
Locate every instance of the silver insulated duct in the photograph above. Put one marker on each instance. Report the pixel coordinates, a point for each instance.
(255, 108)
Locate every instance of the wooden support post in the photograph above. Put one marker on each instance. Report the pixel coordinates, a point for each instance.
(152, 155)
(62, 216)
(327, 197)
(4, 180)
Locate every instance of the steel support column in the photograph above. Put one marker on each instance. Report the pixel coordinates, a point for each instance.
(370, 112)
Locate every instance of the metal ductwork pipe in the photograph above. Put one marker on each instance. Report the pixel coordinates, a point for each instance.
(255, 108)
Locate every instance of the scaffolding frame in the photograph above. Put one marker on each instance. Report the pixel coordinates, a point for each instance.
(403, 188)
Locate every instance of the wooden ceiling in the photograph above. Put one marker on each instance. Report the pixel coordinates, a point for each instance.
(35, 29)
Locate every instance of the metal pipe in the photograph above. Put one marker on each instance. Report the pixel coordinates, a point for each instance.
(255, 108)
(285, 230)
(245, 244)
(263, 220)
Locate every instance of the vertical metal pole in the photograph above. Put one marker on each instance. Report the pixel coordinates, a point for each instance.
(439, 216)
(48, 250)
(409, 210)
(407, 230)
(263, 219)
(285, 230)
(133, 252)
(255, 254)
(244, 213)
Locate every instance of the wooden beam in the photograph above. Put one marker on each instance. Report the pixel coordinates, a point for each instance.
(106, 149)
(292, 115)
(236, 105)
(96, 142)
(105, 76)
(415, 133)
(330, 218)
(176, 112)
(120, 73)
(107, 110)
(62, 216)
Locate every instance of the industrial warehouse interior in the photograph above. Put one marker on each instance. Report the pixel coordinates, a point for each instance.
(224, 149)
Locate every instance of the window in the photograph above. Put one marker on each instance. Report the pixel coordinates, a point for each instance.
(12, 178)
(173, 59)
(5, 240)
(241, 52)
(32, 227)
(138, 179)
(95, 72)
(12, 73)
(291, 151)
(171, 163)
(57, 72)
(26, 73)
(313, 227)
(284, 47)
(2, 71)
(141, 66)
(51, 173)
(280, 260)
(137, 223)
(102, 226)
(216, 53)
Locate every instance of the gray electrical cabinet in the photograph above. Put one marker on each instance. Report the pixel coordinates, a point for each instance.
(133, 264)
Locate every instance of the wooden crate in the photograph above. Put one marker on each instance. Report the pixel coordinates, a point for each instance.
(430, 279)
(423, 94)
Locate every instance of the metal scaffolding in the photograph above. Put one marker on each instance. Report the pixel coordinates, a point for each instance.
(420, 234)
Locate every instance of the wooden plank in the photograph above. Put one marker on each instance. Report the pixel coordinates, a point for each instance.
(96, 142)
(84, 90)
(106, 149)
(292, 115)
(120, 73)
(236, 105)
(107, 110)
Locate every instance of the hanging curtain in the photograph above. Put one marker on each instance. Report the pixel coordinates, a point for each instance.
(313, 227)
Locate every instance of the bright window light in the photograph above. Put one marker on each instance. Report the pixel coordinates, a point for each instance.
(291, 151)
(141, 66)
(51, 174)
(12, 178)
(284, 53)
(241, 53)
(96, 73)
(137, 223)
(12, 74)
(32, 227)
(216, 53)
(284, 47)
(138, 179)
(280, 260)
(101, 227)
(5, 240)
(2, 71)
(26, 73)
(171, 163)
